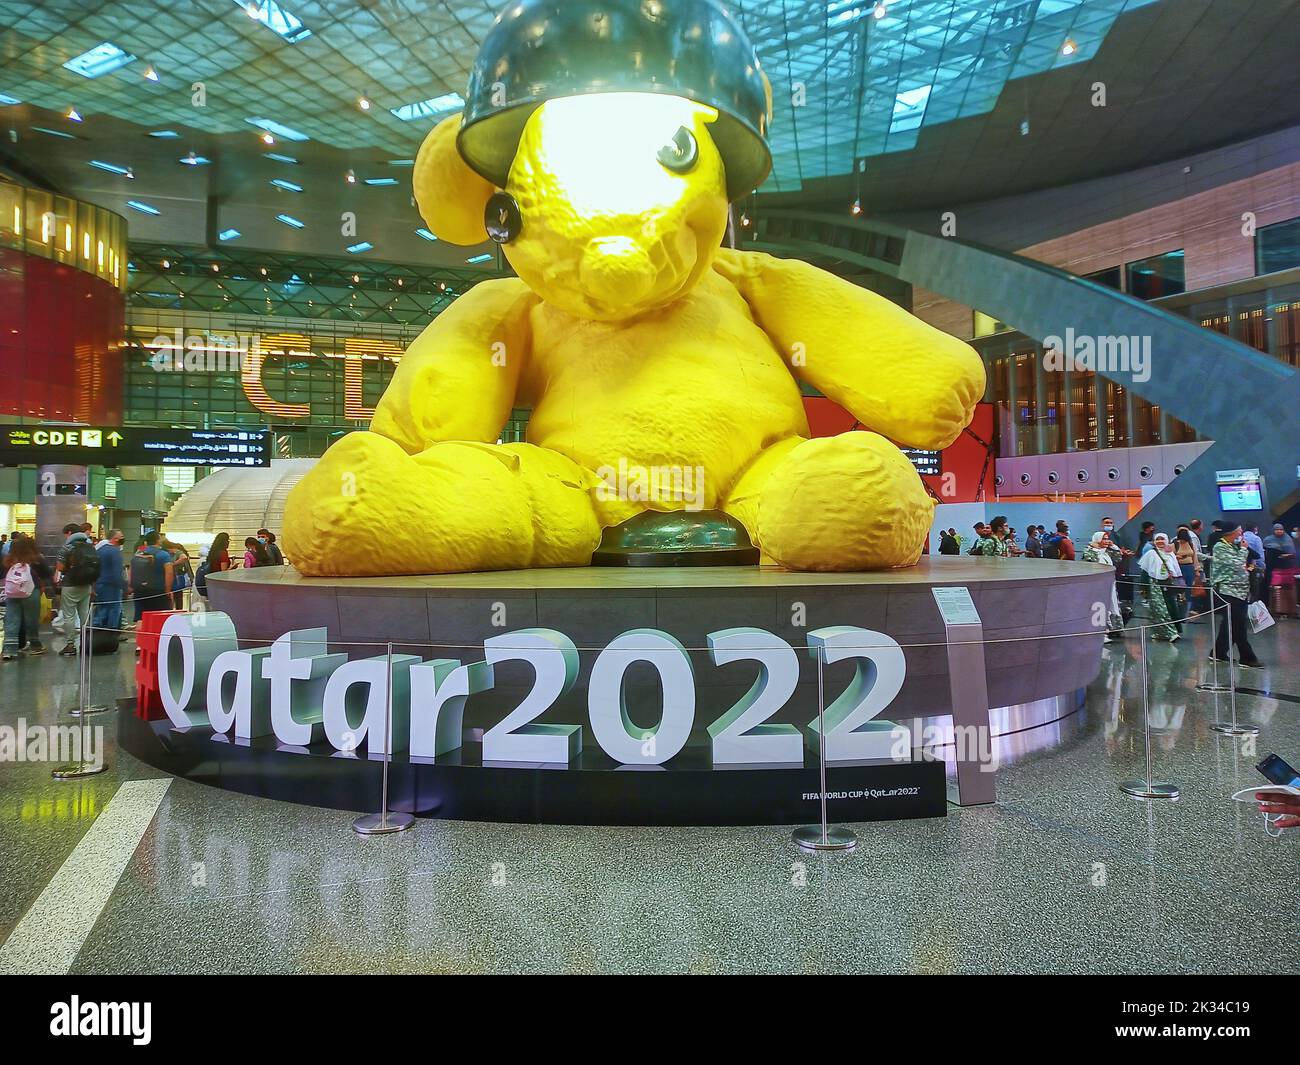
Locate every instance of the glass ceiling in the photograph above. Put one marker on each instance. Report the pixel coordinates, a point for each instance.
(847, 85)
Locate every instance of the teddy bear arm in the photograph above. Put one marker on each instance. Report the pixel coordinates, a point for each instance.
(897, 375)
(458, 379)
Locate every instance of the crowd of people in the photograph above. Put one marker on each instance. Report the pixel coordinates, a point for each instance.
(90, 584)
(1173, 576)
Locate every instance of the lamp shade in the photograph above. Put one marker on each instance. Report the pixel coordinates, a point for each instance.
(541, 50)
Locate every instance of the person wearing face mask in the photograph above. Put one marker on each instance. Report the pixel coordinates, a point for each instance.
(1230, 578)
(1099, 550)
(267, 539)
(1160, 565)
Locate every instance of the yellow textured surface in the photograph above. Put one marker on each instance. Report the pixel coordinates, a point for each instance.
(450, 195)
(852, 501)
(369, 508)
(897, 375)
(655, 381)
(608, 232)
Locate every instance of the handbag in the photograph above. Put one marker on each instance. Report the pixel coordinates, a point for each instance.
(1260, 618)
(1172, 580)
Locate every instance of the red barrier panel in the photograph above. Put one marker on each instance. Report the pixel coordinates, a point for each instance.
(148, 696)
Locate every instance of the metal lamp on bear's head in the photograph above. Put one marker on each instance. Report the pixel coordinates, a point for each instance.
(542, 50)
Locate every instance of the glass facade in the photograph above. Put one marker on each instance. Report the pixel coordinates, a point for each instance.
(1157, 276)
(1277, 247)
(37, 222)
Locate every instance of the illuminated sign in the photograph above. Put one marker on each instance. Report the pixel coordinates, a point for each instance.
(133, 446)
(245, 354)
(927, 463)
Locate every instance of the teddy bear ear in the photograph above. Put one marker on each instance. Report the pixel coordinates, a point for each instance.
(450, 195)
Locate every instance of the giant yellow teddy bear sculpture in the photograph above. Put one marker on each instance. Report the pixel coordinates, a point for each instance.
(639, 343)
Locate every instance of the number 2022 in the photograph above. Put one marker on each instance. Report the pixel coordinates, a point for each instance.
(742, 735)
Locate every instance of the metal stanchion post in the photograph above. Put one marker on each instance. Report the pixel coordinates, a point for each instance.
(82, 768)
(823, 837)
(1146, 789)
(386, 820)
(85, 647)
(1233, 727)
(1214, 686)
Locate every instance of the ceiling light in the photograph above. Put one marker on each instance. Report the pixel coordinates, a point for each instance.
(856, 207)
(102, 59)
(143, 208)
(401, 162)
(288, 186)
(1069, 47)
(72, 115)
(744, 219)
(350, 177)
(381, 181)
(485, 257)
(112, 168)
(281, 158)
(150, 74)
(289, 220)
(280, 130)
(163, 134)
(166, 264)
(6, 100)
(194, 160)
(437, 105)
(267, 138)
(228, 234)
(422, 232)
(1024, 127)
(363, 103)
(357, 249)
(54, 133)
(880, 10)
(275, 18)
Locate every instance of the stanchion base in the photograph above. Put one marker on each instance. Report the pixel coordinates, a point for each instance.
(379, 824)
(94, 708)
(72, 770)
(836, 838)
(1228, 728)
(1140, 789)
(1213, 688)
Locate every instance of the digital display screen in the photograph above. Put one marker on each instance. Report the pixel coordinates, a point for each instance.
(1240, 496)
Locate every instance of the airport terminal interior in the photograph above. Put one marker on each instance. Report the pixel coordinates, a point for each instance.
(649, 486)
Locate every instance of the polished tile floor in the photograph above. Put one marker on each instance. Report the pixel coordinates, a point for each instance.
(1066, 874)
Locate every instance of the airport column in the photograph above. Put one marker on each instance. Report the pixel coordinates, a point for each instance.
(61, 496)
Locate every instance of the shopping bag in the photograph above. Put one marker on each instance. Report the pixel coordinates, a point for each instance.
(1260, 618)
(47, 609)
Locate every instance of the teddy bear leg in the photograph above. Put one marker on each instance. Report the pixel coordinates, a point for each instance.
(847, 502)
(368, 508)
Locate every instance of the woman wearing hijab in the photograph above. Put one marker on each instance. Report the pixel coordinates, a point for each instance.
(1160, 564)
(1099, 550)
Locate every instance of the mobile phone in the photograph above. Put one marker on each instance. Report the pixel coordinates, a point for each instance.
(1276, 770)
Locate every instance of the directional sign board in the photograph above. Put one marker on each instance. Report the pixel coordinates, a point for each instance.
(929, 463)
(86, 445)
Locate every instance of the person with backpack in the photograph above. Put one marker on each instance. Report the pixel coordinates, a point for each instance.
(948, 543)
(76, 572)
(182, 571)
(25, 573)
(151, 577)
(273, 553)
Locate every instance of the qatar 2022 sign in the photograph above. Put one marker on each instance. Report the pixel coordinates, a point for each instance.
(298, 691)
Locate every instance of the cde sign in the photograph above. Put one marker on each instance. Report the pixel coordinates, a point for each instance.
(299, 692)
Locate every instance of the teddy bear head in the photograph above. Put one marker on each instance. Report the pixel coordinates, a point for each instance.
(601, 144)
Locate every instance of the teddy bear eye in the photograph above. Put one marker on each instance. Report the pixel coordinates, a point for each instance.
(680, 153)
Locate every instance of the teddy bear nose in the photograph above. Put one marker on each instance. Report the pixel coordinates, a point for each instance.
(616, 270)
